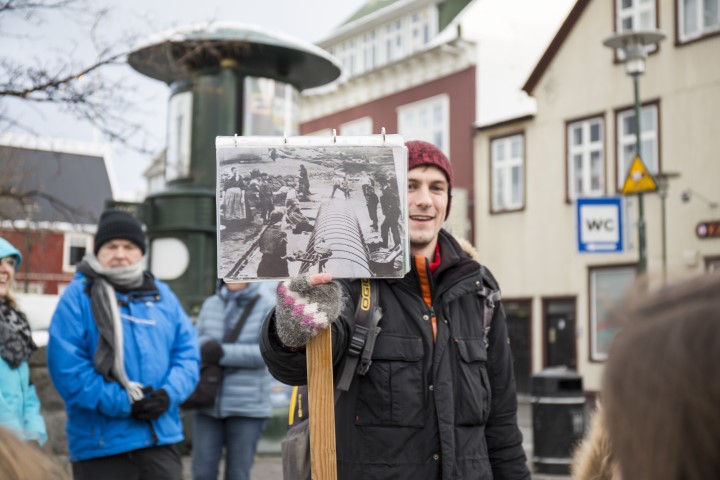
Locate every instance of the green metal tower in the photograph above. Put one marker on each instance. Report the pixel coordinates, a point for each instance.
(224, 79)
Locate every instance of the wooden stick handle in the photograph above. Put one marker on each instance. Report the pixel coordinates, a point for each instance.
(321, 398)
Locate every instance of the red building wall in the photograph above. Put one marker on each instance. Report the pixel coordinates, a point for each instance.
(42, 253)
(460, 88)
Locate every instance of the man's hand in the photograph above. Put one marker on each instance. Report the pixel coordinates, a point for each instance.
(305, 306)
(152, 406)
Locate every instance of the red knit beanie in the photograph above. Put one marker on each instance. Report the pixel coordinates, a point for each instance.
(424, 153)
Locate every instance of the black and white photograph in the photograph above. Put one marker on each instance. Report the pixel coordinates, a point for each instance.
(286, 210)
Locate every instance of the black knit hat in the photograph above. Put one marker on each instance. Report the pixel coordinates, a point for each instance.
(117, 224)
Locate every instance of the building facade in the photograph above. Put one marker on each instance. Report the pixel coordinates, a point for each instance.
(430, 70)
(579, 144)
(51, 196)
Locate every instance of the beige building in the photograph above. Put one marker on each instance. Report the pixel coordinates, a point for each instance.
(530, 171)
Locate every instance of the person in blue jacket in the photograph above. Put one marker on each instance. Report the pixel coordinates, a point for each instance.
(242, 407)
(123, 355)
(19, 403)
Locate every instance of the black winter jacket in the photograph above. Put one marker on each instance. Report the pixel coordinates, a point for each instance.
(425, 410)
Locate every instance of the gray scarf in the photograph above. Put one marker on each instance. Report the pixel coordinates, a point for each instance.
(109, 357)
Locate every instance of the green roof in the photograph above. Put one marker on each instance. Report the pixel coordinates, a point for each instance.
(370, 7)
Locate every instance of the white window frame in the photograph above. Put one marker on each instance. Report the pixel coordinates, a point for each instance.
(501, 173)
(652, 162)
(361, 126)
(585, 150)
(348, 58)
(702, 30)
(635, 12)
(599, 346)
(394, 42)
(409, 115)
(369, 51)
(72, 239)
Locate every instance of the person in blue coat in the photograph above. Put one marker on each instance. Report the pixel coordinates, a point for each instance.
(123, 355)
(19, 403)
(242, 407)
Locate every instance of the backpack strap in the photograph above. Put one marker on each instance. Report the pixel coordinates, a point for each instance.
(488, 291)
(233, 335)
(359, 354)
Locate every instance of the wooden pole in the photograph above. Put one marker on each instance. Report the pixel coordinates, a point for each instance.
(321, 399)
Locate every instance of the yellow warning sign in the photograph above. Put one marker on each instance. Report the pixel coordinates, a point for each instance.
(638, 179)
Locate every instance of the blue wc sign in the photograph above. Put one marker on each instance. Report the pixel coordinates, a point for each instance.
(599, 225)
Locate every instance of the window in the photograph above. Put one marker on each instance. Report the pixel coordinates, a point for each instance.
(74, 249)
(626, 141)
(369, 51)
(607, 286)
(507, 159)
(393, 41)
(361, 126)
(698, 18)
(586, 158)
(419, 30)
(635, 15)
(427, 120)
(348, 58)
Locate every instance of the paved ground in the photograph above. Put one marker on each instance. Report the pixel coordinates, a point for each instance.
(269, 467)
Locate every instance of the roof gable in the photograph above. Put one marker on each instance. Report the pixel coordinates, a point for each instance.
(60, 186)
(554, 46)
(368, 8)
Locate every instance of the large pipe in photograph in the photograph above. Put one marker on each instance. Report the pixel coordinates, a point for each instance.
(337, 231)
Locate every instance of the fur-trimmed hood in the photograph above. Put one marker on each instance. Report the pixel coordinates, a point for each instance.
(468, 248)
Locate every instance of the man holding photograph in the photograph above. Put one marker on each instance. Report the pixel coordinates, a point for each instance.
(438, 400)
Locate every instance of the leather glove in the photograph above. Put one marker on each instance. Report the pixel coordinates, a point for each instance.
(304, 310)
(211, 352)
(152, 406)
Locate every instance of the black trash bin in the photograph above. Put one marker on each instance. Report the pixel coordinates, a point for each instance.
(558, 413)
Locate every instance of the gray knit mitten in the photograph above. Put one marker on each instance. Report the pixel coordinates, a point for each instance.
(303, 310)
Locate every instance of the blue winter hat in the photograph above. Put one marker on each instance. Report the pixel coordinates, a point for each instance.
(8, 250)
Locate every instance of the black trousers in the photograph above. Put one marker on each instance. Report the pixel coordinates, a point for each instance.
(153, 463)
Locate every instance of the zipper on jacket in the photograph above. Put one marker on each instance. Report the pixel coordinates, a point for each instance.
(152, 433)
(433, 324)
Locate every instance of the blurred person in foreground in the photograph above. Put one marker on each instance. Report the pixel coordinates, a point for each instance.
(23, 461)
(19, 403)
(592, 459)
(439, 399)
(242, 407)
(661, 388)
(123, 355)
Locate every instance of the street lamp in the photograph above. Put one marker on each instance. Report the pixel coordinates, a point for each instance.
(634, 47)
(663, 182)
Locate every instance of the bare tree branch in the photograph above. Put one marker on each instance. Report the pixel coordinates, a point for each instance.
(88, 90)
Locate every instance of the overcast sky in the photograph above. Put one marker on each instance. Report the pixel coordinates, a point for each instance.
(64, 37)
(61, 37)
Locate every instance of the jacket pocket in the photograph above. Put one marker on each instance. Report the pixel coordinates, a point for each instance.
(472, 385)
(392, 393)
(85, 431)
